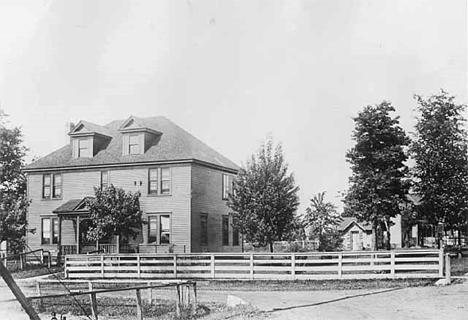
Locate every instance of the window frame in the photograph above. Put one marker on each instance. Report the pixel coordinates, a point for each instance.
(53, 186)
(159, 181)
(106, 172)
(53, 231)
(80, 154)
(225, 230)
(227, 186)
(235, 233)
(204, 229)
(159, 230)
(130, 144)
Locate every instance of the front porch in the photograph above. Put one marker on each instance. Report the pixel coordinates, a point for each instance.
(73, 225)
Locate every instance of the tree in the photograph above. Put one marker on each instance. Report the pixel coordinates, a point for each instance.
(378, 184)
(13, 201)
(321, 219)
(439, 150)
(113, 212)
(264, 198)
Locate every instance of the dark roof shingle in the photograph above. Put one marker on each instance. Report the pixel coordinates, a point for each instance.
(174, 144)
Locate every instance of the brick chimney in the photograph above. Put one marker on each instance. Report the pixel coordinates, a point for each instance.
(69, 126)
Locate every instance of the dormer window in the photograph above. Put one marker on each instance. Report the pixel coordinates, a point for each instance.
(137, 138)
(88, 139)
(134, 144)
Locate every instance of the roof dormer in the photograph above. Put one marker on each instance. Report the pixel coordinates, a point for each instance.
(136, 136)
(88, 139)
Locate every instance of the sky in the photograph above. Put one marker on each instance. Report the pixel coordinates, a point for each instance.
(230, 72)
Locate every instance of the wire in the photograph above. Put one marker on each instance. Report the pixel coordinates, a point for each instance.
(62, 283)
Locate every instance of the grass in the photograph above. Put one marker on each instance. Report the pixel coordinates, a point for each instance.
(459, 266)
(123, 309)
(312, 285)
(34, 271)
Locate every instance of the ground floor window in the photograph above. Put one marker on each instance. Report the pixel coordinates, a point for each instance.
(203, 229)
(49, 231)
(225, 230)
(159, 228)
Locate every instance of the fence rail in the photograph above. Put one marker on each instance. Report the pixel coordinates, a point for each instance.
(331, 265)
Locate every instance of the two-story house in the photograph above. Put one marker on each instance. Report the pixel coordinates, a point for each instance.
(183, 183)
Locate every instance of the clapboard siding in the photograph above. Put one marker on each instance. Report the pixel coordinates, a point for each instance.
(207, 198)
(78, 184)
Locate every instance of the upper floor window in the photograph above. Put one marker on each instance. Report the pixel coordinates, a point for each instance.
(159, 181)
(228, 181)
(104, 179)
(83, 148)
(159, 228)
(134, 144)
(52, 186)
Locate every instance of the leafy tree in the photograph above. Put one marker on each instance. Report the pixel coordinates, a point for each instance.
(378, 183)
(114, 212)
(13, 201)
(265, 198)
(321, 217)
(439, 150)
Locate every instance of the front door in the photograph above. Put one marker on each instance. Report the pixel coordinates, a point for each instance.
(355, 245)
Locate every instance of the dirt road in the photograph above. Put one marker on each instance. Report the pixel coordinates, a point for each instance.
(449, 302)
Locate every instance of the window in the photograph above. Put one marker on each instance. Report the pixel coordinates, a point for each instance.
(203, 229)
(49, 231)
(104, 179)
(83, 148)
(159, 229)
(52, 186)
(165, 180)
(134, 144)
(225, 230)
(235, 234)
(159, 181)
(227, 185)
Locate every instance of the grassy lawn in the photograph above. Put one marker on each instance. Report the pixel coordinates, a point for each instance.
(312, 285)
(458, 266)
(123, 309)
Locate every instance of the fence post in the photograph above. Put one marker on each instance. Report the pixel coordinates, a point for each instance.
(178, 300)
(251, 266)
(441, 263)
(293, 266)
(213, 266)
(38, 289)
(138, 267)
(447, 269)
(392, 264)
(150, 294)
(175, 265)
(94, 311)
(340, 264)
(42, 256)
(138, 304)
(102, 266)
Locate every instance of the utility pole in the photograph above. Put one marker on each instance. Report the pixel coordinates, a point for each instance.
(17, 292)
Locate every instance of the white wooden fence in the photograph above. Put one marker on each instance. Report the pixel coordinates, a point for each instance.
(331, 265)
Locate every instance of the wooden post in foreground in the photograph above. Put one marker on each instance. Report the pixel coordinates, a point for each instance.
(138, 301)
(93, 301)
(18, 293)
(447, 269)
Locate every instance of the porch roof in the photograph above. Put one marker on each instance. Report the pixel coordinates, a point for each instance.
(72, 206)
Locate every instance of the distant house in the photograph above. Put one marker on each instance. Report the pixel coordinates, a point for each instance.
(184, 185)
(358, 235)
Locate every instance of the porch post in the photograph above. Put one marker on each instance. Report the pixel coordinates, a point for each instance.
(77, 234)
(59, 236)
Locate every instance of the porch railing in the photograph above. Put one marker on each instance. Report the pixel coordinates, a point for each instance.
(68, 249)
